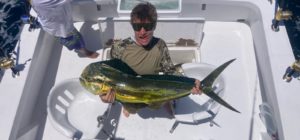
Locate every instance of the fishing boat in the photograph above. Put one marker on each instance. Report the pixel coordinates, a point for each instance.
(45, 101)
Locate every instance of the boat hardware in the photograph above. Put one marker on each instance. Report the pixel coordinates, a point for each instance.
(281, 14)
(292, 71)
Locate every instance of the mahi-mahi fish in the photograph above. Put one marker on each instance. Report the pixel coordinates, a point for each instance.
(151, 90)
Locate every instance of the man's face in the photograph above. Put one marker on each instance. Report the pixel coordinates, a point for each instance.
(143, 31)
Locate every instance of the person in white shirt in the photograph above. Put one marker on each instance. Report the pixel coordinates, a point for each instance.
(55, 17)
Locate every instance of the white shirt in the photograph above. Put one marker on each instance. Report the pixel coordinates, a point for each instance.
(55, 16)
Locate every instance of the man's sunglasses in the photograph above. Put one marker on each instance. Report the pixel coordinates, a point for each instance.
(146, 26)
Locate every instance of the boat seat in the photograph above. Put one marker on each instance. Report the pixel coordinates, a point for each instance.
(75, 112)
(195, 109)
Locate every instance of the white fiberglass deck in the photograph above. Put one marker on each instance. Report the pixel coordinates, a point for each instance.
(250, 79)
(233, 40)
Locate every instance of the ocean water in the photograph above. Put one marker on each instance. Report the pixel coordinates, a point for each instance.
(11, 24)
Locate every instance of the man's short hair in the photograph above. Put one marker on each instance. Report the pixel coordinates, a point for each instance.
(144, 11)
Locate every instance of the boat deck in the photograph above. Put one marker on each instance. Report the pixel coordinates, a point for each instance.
(254, 79)
(234, 41)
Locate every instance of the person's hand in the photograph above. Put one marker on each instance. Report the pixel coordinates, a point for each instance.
(197, 88)
(109, 97)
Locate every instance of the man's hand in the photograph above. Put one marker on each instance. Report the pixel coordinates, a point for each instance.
(109, 97)
(197, 88)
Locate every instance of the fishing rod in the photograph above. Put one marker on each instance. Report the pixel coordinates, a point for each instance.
(291, 18)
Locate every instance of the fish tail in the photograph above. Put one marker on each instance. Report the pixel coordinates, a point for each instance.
(214, 96)
(209, 80)
(207, 83)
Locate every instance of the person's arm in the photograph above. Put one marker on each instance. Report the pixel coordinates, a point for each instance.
(109, 97)
(166, 64)
(197, 88)
(118, 47)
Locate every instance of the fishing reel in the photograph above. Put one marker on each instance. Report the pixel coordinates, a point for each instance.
(9, 63)
(292, 71)
(280, 15)
(12, 63)
(6, 63)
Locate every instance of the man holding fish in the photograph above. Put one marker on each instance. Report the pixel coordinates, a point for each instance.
(144, 53)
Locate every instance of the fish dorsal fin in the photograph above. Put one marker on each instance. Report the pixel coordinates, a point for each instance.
(120, 66)
(170, 78)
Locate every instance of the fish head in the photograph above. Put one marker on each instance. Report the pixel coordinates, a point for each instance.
(93, 80)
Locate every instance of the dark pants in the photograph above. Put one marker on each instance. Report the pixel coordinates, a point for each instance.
(74, 41)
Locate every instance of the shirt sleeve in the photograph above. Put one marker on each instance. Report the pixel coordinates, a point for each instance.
(166, 65)
(117, 48)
